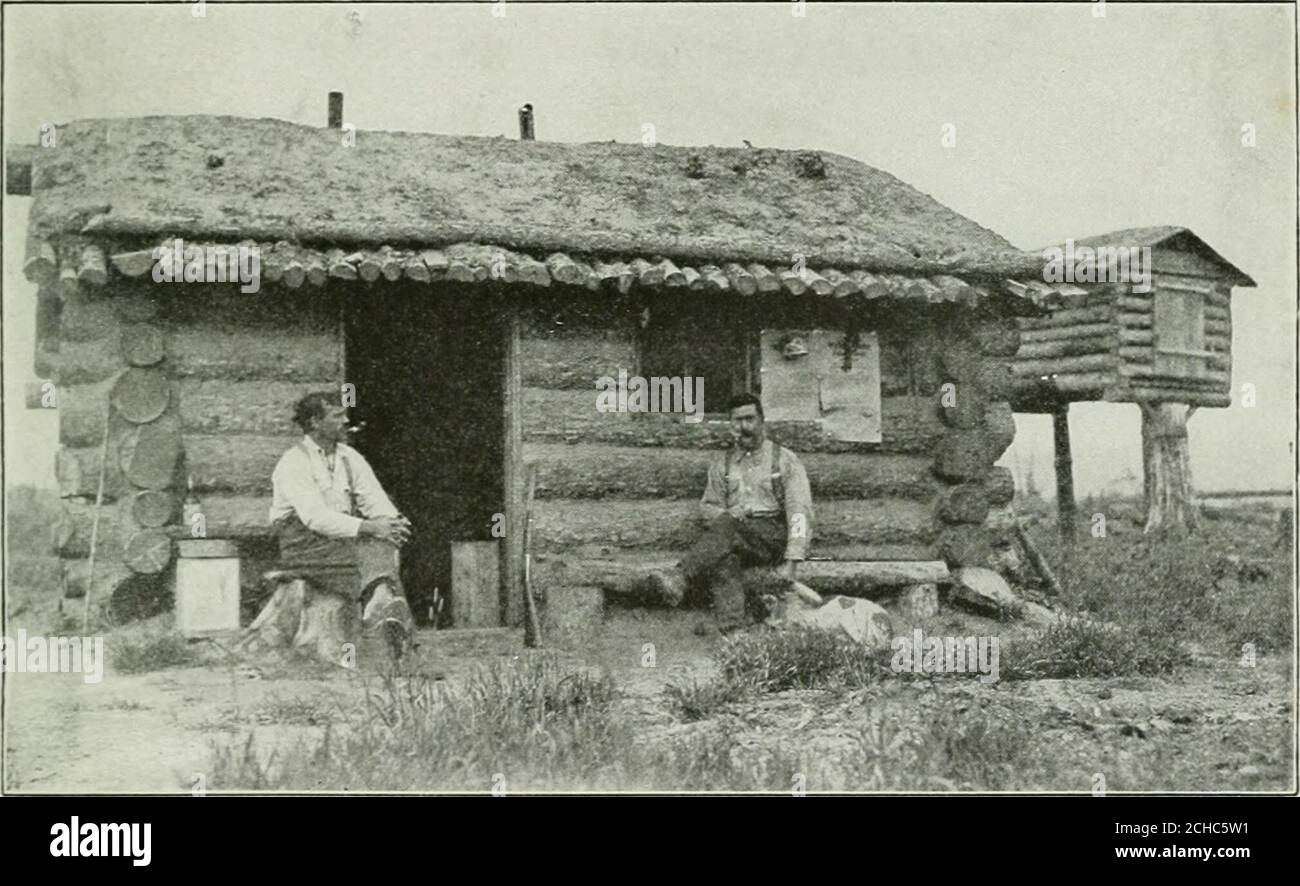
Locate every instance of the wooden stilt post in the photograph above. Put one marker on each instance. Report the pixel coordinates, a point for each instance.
(1065, 508)
(336, 110)
(526, 123)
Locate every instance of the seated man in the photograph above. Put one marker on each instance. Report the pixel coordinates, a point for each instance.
(759, 509)
(331, 514)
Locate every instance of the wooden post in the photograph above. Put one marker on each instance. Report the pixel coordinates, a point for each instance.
(512, 604)
(526, 123)
(1065, 508)
(336, 110)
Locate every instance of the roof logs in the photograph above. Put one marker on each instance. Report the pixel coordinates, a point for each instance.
(294, 266)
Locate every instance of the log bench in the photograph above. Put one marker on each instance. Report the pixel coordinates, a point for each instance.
(914, 582)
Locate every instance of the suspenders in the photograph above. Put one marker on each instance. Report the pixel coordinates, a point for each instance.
(347, 473)
(778, 485)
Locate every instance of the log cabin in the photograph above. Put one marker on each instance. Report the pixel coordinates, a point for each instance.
(1164, 343)
(472, 292)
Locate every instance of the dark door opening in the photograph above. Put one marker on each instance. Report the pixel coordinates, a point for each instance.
(428, 368)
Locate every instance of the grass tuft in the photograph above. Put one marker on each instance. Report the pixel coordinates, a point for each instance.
(153, 652)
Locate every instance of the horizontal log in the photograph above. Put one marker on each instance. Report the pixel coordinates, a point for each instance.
(1135, 337)
(198, 352)
(1135, 321)
(267, 354)
(909, 425)
(1066, 333)
(642, 524)
(224, 517)
(573, 362)
(591, 471)
(1217, 313)
(1070, 383)
(234, 463)
(1218, 327)
(217, 463)
(1081, 363)
(1209, 377)
(1137, 305)
(1068, 317)
(1191, 398)
(1145, 355)
(859, 579)
(261, 407)
(1070, 347)
(206, 407)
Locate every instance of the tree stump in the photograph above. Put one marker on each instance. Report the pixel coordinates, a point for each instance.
(301, 618)
(1167, 472)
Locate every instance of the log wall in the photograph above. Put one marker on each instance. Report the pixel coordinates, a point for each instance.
(626, 487)
(1072, 352)
(228, 366)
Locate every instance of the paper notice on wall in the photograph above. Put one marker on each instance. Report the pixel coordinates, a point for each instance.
(789, 369)
(808, 376)
(850, 387)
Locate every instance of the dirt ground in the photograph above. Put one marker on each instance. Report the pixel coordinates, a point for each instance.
(1213, 726)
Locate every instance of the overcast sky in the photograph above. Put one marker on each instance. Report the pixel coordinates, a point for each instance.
(1067, 125)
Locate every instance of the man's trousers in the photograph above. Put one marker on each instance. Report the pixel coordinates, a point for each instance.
(726, 547)
(348, 567)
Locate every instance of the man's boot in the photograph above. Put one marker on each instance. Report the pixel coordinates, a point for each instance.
(390, 613)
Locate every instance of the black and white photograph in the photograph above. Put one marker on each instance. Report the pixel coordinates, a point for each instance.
(514, 398)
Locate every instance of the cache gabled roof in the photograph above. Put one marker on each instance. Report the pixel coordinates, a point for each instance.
(1173, 238)
(232, 178)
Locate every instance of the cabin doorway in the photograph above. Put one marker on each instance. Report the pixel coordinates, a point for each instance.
(428, 368)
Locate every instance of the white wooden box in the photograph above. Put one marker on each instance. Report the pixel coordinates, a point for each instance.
(207, 595)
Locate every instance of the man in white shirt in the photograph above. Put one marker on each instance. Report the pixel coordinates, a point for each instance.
(334, 518)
